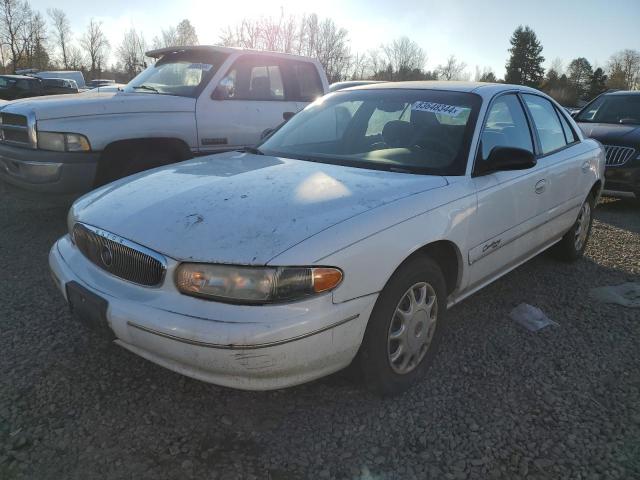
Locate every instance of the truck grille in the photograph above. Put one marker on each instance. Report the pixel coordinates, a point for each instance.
(119, 256)
(15, 130)
(617, 155)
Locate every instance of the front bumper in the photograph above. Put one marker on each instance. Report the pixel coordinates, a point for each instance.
(44, 171)
(246, 347)
(623, 180)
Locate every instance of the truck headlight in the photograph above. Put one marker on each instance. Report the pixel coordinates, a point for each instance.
(63, 142)
(254, 285)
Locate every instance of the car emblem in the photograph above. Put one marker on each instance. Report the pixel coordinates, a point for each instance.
(106, 256)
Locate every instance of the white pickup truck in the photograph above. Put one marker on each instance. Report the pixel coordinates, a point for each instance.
(191, 101)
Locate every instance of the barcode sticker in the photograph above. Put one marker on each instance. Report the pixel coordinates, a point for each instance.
(441, 108)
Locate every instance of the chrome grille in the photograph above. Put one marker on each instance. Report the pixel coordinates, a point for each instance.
(617, 155)
(16, 130)
(119, 256)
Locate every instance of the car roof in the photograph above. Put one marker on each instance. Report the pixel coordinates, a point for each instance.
(214, 48)
(481, 88)
(19, 77)
(624, 92)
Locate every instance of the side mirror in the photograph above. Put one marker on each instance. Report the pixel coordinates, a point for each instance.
(286, 116)
(220, 93)
(506, 158)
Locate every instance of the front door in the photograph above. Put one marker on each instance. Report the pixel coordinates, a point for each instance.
(250, 99)
(511, 204)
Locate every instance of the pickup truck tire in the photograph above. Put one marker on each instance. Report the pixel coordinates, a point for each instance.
(123, 160)
(574, 242)
(404, 330)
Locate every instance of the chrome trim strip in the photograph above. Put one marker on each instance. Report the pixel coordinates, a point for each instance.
(127, 243)
(221, 346)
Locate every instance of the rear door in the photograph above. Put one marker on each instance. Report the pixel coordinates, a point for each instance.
(563, 162)
(503, 230)
(250, 98)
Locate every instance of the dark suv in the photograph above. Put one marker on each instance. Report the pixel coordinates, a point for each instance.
(614, 120)
(19, 86)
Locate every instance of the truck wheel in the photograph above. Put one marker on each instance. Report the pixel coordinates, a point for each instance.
(122, 161)
(574, 242)
(404, 329)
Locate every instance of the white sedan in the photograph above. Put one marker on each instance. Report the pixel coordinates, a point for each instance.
(345, 236)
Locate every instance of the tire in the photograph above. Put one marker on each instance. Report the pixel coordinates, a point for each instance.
(378, 358)
(574, 242)
(123, 161)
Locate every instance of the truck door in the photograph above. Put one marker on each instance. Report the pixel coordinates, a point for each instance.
(251, 97)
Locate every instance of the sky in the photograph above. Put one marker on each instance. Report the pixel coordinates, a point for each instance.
(477, 32)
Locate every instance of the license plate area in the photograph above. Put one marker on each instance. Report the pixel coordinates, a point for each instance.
(89, 308)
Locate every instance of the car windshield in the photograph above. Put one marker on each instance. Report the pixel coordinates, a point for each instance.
(415, 131)
(182, 73)
(612, 109)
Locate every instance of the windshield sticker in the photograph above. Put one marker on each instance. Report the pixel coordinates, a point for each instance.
(201, 66)
(441, 108)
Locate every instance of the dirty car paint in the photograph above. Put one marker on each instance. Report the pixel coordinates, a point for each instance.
(238, 207)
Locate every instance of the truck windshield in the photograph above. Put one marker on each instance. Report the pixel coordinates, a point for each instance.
(613, 109)
(403, 130)
(183, 74)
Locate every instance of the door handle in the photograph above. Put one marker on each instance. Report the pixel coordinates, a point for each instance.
(586, 166)
(541, 186)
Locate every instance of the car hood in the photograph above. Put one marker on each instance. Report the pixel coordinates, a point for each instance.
(87, 104)
(240, 208)
(611, 133)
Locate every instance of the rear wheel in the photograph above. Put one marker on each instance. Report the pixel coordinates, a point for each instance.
(574, 242)
(403, 331)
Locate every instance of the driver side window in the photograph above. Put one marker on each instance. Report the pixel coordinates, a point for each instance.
(506, 126)
(253, 79)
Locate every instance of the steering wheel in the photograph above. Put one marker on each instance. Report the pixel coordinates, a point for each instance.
(381, 145)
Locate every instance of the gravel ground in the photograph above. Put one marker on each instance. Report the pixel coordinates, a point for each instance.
(500, 402)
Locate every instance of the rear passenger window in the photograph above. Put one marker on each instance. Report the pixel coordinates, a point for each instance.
(546, 122)
(305, 76)
(569, 134)
(506, 126)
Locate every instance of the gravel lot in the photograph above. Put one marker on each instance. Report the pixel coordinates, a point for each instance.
(500, 402)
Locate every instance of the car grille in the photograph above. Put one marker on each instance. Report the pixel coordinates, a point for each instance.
(15, 129)
(119, 256)
(617, 155)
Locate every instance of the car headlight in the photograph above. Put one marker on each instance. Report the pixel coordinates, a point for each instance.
(254, 285)
(63, 142)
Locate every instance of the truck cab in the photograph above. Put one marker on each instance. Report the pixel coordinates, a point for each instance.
(191, 101)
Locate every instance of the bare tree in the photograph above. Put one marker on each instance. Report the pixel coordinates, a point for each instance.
(36, 53)
(404, 55)
(452, 69)
(310, 36)
(624, 67)
(74, 58)
(167, 38)
(131, 52)
(62, 33)
(186, 34)
(14, 19)
(96, 45)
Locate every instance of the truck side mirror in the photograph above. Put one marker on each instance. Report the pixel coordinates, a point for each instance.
(220, 93)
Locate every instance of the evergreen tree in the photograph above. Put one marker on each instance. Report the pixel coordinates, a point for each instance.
(580, 73)
(525, 64)
(597, 84)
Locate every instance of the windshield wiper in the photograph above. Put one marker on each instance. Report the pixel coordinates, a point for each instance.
(253, 150)
(146, 87)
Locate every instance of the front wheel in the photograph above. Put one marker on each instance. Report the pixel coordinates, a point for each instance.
(403, 331)
(574, 242)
